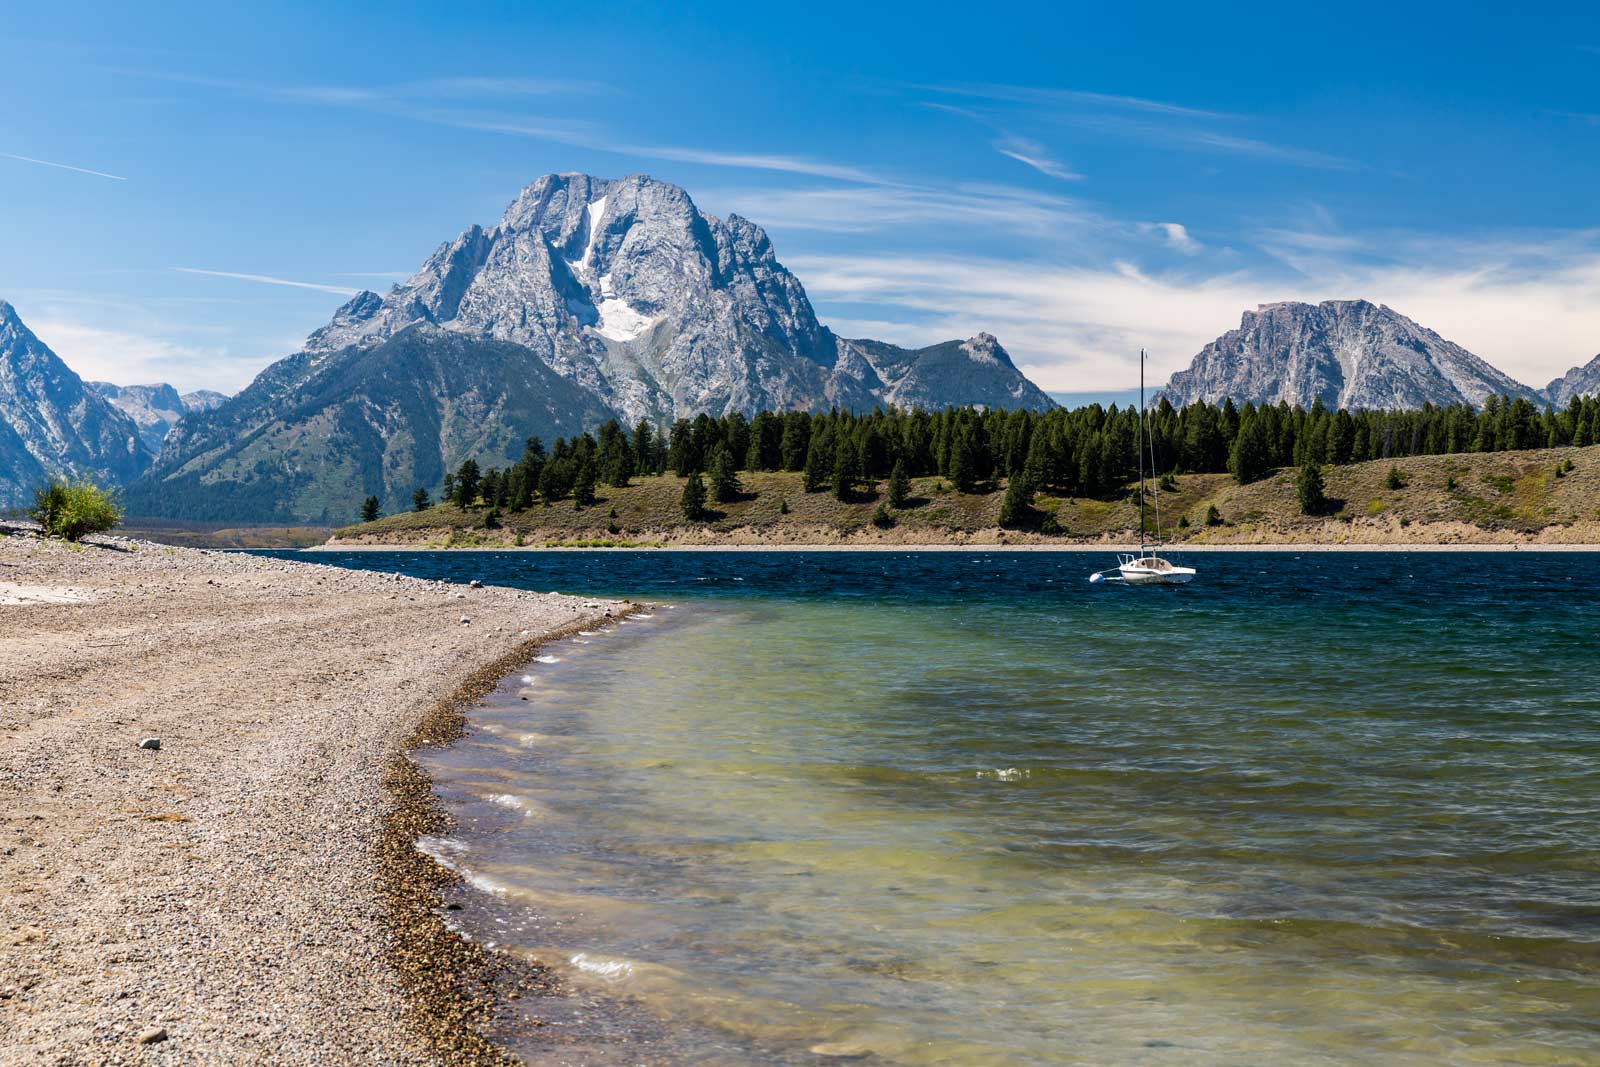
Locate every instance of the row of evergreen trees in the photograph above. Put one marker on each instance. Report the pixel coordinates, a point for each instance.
(1086, 451)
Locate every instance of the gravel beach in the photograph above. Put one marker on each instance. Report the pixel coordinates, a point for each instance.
(217, 899)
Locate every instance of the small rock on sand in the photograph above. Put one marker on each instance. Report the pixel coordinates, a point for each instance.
(153, 1035)
(475, 584)
(465, 619)
(150, 743)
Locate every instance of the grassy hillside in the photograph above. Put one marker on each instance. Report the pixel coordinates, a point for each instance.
(1478, 497)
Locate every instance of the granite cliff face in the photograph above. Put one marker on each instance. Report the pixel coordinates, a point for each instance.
(52, 424)
(1579, 381)
(1345, 353)
(590, 299)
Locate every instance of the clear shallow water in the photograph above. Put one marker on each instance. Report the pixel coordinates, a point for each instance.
(968, 809)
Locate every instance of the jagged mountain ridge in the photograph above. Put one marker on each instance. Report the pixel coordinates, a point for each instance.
(1582, 381)
(628, 289)
(1345, 353)
(52, 424)
(407, 407)
(156, 409)
(619, 296)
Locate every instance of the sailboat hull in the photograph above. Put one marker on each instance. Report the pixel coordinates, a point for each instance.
(1144, 576)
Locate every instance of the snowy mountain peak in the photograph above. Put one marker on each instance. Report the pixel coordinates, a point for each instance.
(635, 301)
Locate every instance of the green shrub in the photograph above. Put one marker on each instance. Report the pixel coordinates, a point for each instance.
(1394, 479)
(74, 509)
(1213, 516)
(1051, 526)
(881, 518)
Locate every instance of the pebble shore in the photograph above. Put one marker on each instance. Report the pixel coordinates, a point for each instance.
(244, 892)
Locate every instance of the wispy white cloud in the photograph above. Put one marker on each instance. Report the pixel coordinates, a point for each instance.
(1175, 235)
(464, 87)
(1027, 94)
(1035, 155)
(64, 166)
(267, 279)
(869, 209)
(1074, 327)
(746, 160)
(1181, 135)
(128, 357)
(419, 100)
(1152, 121)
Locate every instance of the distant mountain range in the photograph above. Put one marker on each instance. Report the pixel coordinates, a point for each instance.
(156, 409)
(594, 299)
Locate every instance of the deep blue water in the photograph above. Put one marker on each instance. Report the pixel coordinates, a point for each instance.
(968, 809)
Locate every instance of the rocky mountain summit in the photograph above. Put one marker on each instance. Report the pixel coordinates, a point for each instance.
(628, 290)
(52, 424)
(1579, 381)
(590, 299)
(156, 409)
(1345, 353)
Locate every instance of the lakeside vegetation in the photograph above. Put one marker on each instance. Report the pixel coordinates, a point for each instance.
(1085, 452)
(73, 509)
(1468, 497)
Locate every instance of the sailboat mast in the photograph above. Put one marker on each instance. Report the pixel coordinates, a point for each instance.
(1139, 448)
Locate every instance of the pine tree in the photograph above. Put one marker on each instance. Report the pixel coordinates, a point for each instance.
(583, 485)
(1394, 479)
(899, 485)
(694, 498)
(881, 518)
(819, 462)
(369, 509)
(447, 495)
(1213, 516)
(419, 500)
(963, 461)
(1016, 509)
(725, 487)
(467, 479)
(846, 470)
(1309, 489)
(1251, 456)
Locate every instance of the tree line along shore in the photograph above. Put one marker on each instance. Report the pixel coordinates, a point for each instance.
(1507, 471)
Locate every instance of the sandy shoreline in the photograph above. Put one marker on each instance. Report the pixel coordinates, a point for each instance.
(1102, 549)
(222, 896)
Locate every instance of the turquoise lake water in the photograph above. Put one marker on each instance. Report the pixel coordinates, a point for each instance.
(967, 809)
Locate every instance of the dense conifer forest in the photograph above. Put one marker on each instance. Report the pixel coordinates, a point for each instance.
(1086, 452)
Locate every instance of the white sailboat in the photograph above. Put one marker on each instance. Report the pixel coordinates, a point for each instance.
(1148, 566)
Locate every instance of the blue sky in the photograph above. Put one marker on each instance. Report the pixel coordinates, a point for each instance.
(1081, 180)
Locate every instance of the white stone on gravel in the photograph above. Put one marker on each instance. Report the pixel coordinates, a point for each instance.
(150, 743)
